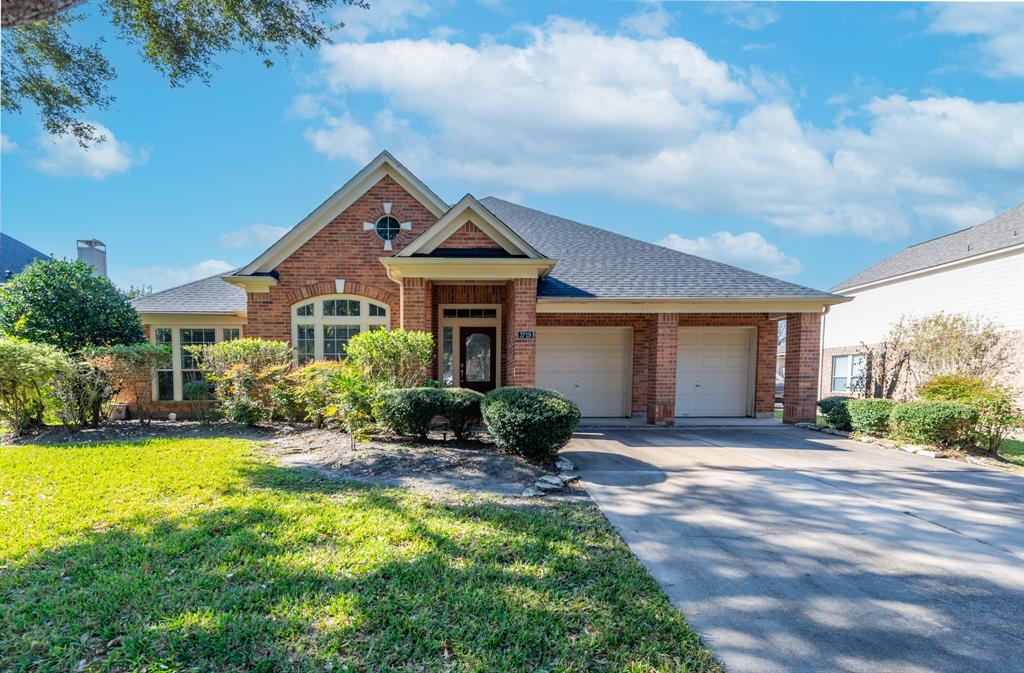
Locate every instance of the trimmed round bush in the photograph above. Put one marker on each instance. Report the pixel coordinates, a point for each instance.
(836, 414)
(870, 415)
(410, 411)
(461, 410)
(934, 422)
(531, 422)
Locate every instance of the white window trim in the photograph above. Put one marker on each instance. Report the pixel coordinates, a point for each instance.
(218, 336)
(455, 323)
(848, 374)
(318, 320)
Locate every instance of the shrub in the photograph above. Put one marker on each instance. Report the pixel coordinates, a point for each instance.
(997, 415)
(836, 414)
(26, 372)
(311, 386)
(79, 393)
(245, 373)
(130, 367)
(934, 422)
(410, 411)
(461, 410)
(351, 403)
(65, 304)
(392, 358)
(870, 415)
(531, 422)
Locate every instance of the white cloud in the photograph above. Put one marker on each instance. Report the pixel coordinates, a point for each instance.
(748, 250)
(252, 236)
(759, 46)
(161, 277)
(650, 21)
(999, 29)
(384, 17)
(62, 155)
(747, 15)
(6, 144)
(575, 110)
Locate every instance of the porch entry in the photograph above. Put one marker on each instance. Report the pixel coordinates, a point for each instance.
(469, 346)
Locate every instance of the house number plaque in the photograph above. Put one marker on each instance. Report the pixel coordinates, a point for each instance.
(524, 334)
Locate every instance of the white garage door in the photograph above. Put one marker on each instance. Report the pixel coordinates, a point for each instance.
(714, 372)
(590, 365)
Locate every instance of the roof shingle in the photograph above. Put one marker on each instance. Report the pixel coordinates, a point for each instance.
(1000, 232)
(597, 263)
(15, 256)
(208, 295)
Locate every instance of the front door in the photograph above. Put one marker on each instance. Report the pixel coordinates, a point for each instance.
(477, 369)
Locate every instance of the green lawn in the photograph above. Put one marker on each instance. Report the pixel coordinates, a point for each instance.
(1013, 451)
(199, 555)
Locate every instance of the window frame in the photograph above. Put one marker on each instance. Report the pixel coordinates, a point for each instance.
(849, 375)
(364, 321)
(175, 325)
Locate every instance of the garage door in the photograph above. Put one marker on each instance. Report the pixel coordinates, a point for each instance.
(590, 365)
(714, 372)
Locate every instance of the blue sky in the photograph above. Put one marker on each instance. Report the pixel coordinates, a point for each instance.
(802, 140)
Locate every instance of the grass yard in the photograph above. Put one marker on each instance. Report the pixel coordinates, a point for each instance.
(200, 555)
(1013, 451)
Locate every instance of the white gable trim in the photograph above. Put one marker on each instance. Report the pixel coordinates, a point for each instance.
(361, 182)
(468, 209)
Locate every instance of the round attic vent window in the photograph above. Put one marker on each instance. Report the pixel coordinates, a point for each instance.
(388, 228)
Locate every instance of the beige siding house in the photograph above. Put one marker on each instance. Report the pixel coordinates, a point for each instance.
(977, 271)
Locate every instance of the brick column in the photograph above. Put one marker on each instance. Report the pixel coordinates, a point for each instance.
(803, 344)
(417, 295)
(520, 367)
(663, 342)
(764, 379)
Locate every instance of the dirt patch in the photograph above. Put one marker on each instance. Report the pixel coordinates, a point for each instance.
(475, 466)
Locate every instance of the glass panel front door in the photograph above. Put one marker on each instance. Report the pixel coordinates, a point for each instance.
(478, 358)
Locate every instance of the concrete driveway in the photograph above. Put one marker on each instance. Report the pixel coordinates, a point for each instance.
(791, 550)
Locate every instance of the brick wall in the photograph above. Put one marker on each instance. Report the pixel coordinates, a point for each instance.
(469, 236)
(470, 294)
(803, 344)
(520, 313)
(662, 365)
(340, 250)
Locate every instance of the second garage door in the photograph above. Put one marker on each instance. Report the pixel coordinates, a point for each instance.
(713, 378)
(590, 365)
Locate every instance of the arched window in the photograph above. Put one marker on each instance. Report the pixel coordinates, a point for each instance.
(322, 326)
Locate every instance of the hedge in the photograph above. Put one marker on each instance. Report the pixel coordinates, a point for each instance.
(836, 413)
(935, 422)
(531, 422)
(412, 411)
(870, 415)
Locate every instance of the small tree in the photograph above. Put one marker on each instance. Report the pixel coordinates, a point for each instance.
(65, 304)
(27, 370)
(245, 373)
(392, 358)
(952, 343)
(351, 406)
(130, 367)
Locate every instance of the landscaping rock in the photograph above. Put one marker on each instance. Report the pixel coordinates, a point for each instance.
(550, 479)
(548, 486)
(910, 448)
(929, 453)
(564, 464)
(533, 492)
(568, 477)
(806, 426)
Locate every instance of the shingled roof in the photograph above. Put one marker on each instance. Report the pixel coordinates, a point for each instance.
(15, 256)
(1000, 232)
(208, 295)
(597, 263)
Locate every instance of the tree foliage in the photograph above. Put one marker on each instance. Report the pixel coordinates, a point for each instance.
(395, 358)
(65, 304)
(44, 65)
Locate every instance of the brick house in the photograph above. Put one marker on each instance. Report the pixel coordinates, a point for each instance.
(513, 297)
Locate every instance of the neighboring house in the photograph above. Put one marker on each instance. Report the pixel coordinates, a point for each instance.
(514, 297)
(15, 256)
(978, 271)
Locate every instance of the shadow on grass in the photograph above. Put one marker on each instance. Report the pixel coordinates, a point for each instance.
(291, 571)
